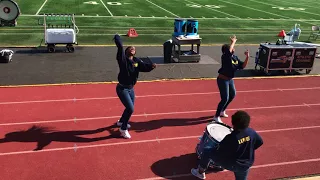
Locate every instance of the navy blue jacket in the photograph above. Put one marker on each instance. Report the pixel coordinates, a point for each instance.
(129, 69)
(230, 64)
(238, 148)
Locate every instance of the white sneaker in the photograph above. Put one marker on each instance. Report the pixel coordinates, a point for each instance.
(217, 119)
(120, 124)
(125, 133)
(223, 114)
(196, 173)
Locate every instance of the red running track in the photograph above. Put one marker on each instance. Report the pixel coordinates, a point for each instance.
(169, 117)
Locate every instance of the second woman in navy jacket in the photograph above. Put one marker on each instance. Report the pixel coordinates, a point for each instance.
(129, 66)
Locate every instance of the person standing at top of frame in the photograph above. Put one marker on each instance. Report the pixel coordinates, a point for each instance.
(129, 66)
(230, 64)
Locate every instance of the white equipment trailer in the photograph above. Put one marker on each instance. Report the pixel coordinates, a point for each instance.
(60, 29)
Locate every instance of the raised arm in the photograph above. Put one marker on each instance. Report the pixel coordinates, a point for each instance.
(120, 53)
(241, 64)
(246, 60)
(233, 42)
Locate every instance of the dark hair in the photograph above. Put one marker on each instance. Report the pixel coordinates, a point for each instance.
(127, 49)
(225, 48)
(240, 120)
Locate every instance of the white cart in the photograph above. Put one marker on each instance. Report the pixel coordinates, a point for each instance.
(60, 29)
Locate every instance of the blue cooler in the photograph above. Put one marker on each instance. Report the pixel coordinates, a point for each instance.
(179, 27)
(192, 27)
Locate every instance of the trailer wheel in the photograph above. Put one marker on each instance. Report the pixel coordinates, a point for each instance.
(51, 48)
(70, 48)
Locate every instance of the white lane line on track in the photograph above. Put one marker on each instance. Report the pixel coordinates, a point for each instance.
(253, 167)
(145, 141)
(156, 95)
(159, 114)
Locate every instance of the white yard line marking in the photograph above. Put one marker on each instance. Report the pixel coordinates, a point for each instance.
(203, 30)
(156, 95)
(302, 3)
(253, 167)
(160, 114)
(162, 8)
(294, 9)
(163, 34)
(232, 19)
(212, 9)
(298, 4)
(263, 11)
(151, 140)
(161, 28)
(83, 34)
(41, 7)
(106, 7)
(254, 9)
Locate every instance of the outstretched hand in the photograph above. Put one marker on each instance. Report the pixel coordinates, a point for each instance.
(114, 37)
(233, 38)
(154, 65)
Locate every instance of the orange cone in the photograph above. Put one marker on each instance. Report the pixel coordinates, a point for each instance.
(132, 33)
(282, 33)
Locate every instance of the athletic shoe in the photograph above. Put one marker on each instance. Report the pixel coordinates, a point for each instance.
(223, 114)
(125, 133)
(196, 173)
(120, 124)
(217, 119)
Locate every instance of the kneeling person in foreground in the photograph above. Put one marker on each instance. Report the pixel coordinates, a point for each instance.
(236, 152)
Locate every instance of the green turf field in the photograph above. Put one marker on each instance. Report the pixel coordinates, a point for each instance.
(253, 21)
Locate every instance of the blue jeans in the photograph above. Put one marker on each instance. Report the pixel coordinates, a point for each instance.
(240, 173)
(127, 97)
(227, 93)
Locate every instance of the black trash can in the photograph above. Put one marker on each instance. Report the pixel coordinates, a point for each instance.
(167, 51)
(6, 56)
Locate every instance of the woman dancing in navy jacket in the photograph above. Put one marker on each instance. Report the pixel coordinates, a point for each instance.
(230, 64)
(129, 66)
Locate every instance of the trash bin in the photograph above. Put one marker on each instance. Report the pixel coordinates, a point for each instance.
(167, 51)
(6, 55)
